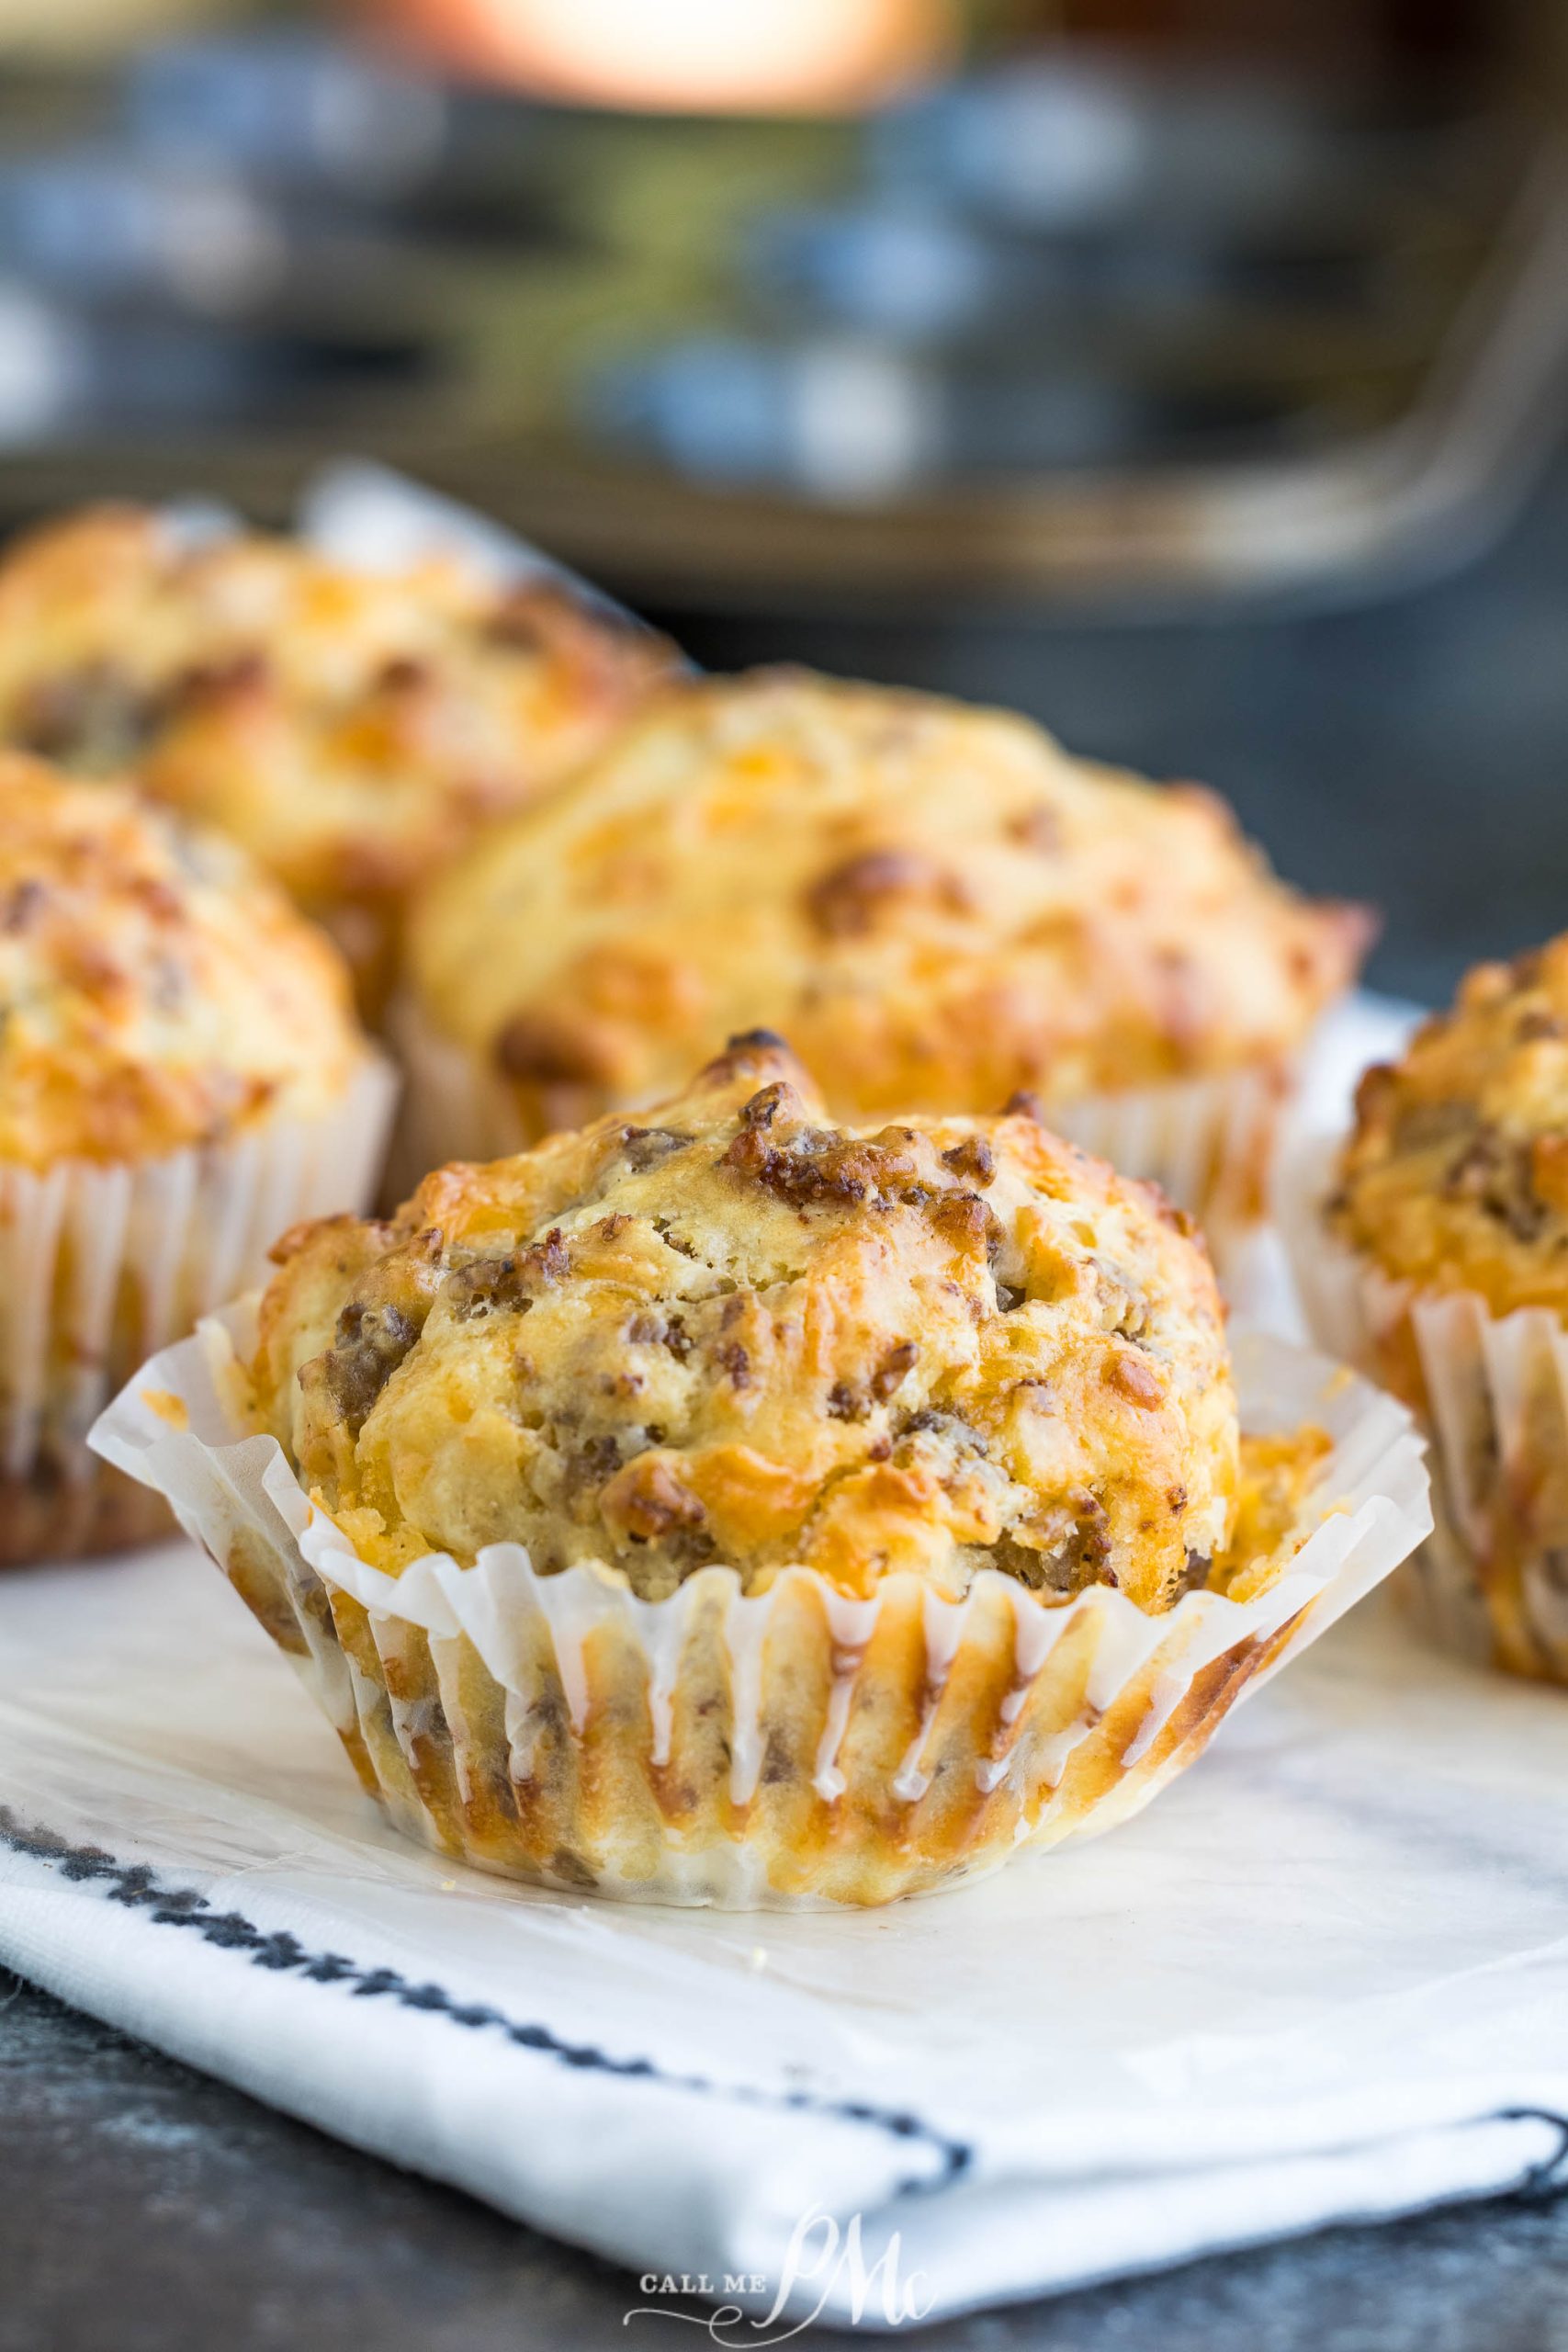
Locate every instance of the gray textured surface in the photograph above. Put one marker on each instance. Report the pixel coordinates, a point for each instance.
(144, 2209)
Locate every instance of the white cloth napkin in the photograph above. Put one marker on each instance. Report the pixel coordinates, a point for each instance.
(1325, 1977)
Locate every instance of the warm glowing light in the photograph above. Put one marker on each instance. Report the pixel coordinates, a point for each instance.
(715, 56)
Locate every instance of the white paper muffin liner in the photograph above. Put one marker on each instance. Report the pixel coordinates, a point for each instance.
(102, 1263)
(1491, 1393)
(795, 1747)
(1209, 1143)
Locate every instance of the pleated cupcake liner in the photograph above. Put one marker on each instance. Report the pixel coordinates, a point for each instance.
(792, 1747)
(1491, 1391)
(102, 1263)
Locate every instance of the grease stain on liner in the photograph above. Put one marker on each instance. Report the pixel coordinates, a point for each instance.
(793, 1746)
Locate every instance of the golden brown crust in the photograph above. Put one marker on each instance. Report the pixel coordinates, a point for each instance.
(724, 1331)
(350, 730)
(1456, 1175)
(936, 903)
(156, 992)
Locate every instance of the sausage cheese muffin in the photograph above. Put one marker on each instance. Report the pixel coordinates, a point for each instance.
(1440, 1261)
(350, 728)
(727, 1504)
(180, 1067)
(936, 903)
(740, 1334)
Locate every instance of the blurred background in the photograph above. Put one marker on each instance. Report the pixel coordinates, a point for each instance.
(1188, 373)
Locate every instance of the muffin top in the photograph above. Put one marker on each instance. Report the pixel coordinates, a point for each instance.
(936, 903)
(1456, 1174)
(154, 992)
(348, 727)
(727, 1332)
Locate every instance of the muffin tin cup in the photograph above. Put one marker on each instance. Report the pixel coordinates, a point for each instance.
(794, 1747)
(1209, 1143)
(1491, 1582)
(101, 1263)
